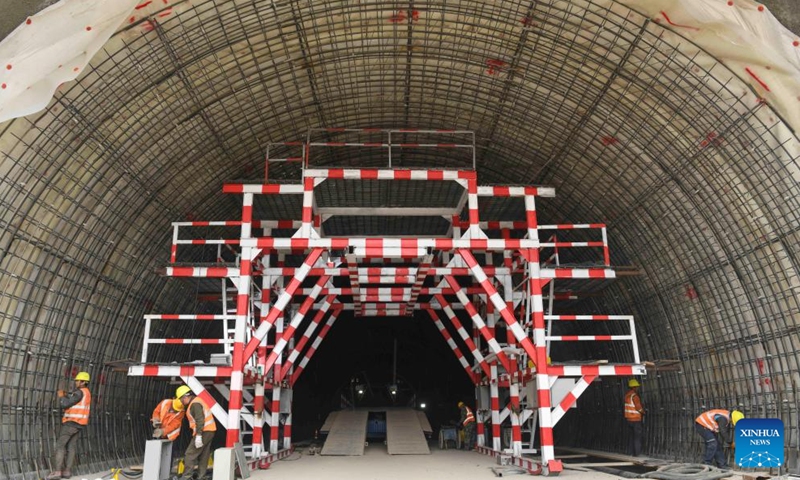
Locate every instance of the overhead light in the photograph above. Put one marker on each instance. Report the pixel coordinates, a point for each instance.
(361, 392)
(421, 405)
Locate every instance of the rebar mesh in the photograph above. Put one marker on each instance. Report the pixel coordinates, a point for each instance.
(696, 178)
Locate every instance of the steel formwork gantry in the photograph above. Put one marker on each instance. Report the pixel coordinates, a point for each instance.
(475, 277)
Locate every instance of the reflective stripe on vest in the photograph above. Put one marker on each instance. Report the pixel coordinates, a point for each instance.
(706, 419)
(209, 424)
(469, 418)
(632, 413)
(169, 418)
(79, 413)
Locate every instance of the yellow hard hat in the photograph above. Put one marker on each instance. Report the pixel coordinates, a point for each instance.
(82, 376)
(633, 383)
(182, 390)
(177, 405)
(460, 404)
(736, 415)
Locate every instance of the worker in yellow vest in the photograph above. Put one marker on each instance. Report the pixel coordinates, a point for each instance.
(167, 418)
(203, 425)
(77, 405)
(634, 415)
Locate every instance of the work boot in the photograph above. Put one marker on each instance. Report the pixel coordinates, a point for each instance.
(66, 474)
(55, 474)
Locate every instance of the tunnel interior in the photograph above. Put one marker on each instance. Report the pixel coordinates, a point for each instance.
(692, 164)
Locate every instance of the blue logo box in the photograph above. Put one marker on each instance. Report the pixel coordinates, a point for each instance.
(759, 443)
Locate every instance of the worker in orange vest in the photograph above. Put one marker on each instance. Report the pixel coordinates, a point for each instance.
(77, 405)
(634, 415)
(716, 423)
(468, 424)
(203, 425)
(167, 418)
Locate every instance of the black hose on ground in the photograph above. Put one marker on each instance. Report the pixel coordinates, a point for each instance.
(687, 471)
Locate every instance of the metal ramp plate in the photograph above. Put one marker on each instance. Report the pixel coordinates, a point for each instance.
(404, 433)
(423, 422)
(326, 427)
(348, 434)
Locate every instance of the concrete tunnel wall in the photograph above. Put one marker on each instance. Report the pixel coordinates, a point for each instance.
(695, 177)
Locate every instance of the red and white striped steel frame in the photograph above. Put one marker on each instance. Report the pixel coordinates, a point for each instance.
(264, 189)
(242, 310)
(312, 327)
(494, 407)
(275, 404)
(452, 344)
(422, 273)
(570, 398)
(516, 430)
(314, 345)
(283, 340)
(367, 279)
(385, 271)
(283, 299)
(499, 191)
(396, 292)
(264, 462)
(355, 282)
(497, 301)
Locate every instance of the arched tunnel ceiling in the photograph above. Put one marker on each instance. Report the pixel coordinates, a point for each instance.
(694, 176)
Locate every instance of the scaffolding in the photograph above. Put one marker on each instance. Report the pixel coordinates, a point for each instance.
(482, 282)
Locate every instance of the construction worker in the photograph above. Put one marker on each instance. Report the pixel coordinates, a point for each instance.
(468, 424)
(712, 424)
(201, 420)
(167, 418)
(634, 415)
(77, 405)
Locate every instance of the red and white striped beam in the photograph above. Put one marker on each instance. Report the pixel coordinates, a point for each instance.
(496, 191)
(194, 370)
(563, 272)
(393, 174)
(422, 273)
(295, 353)
(499, 304)
(355, 281)
(387, 271)
(314, 345)
(453, 346)
(462, 332)
(375, 246)
(264, 189)
(283, 299)
(570, 398)
(477, 321)
(297, 319)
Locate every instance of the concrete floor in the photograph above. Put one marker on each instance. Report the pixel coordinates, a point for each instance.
(378, 465)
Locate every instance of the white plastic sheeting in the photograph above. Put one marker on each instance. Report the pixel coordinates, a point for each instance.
(55, 45)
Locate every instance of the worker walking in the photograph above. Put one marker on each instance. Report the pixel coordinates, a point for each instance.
(167, 418)
(77, 405)
(201, 420)
(716, 423)
(634, 415)
(468, 424)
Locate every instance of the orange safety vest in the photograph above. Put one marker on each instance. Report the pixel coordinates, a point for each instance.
(209, 425)
(706, 419)
(79, 413)
(633, 407)
(169, 418)
(469, 418)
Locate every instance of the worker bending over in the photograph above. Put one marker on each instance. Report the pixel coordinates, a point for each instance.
(713, 424)
(167, 418)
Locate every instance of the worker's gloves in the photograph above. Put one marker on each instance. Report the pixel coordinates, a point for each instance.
(156, 423)
(61, 394)
(198, 441)
(158, 433)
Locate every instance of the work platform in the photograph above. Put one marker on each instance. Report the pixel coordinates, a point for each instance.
(405, 429)
(471, 258)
